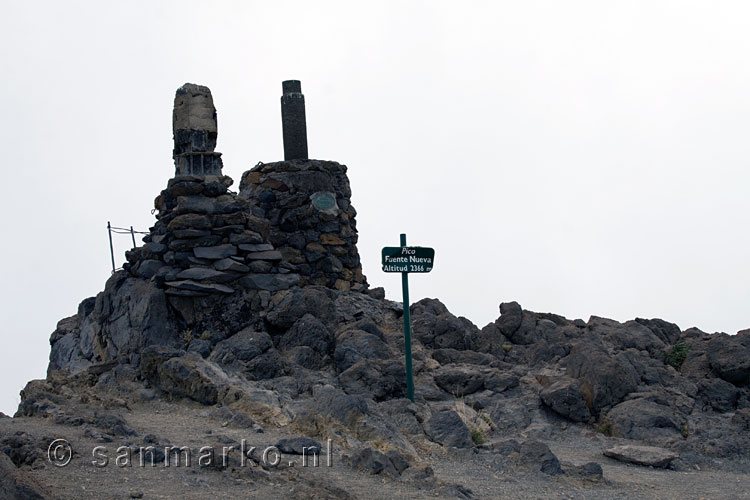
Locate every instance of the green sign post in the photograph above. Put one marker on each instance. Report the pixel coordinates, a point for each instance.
(407, 260)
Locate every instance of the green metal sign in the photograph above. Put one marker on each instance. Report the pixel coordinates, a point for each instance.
(408, 259)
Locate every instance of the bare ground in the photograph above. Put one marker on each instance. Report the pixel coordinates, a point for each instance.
(458, 474)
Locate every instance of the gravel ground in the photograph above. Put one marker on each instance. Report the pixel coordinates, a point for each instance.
(485, 474)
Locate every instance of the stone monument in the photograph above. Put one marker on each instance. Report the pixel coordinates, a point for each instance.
(291, 224)
(293, 121)
(194, 129)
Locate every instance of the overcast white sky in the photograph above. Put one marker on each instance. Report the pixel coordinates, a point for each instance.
(578, 157)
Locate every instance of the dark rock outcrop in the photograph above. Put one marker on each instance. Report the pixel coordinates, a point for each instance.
(447, 428)
(16, 485)
(644, 419)
(435, 327)
(605, 380)
(537, 455)
(730, 359)
(354, 345)
(566, 397)
(377, 379)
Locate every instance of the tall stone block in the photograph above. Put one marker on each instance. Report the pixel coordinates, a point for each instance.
(195, 130)
(293, 121)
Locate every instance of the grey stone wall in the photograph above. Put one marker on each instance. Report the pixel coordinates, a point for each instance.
(312, 221)
(207, 240)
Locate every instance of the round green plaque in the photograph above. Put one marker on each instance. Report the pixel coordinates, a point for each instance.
(324, 201)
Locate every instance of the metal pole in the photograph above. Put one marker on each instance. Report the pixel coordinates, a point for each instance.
(132, 235)
(407, 330)
(111, 248)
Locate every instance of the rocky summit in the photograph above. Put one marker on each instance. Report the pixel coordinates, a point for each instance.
(240, 353)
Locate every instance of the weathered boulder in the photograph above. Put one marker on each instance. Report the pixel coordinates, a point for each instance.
(696, 363)
(251, 400)
(188, 376)
(511, 316)
(459, 380)
(448, 429)
(52, 399)
(717, 394)
(332, 403)
(22, 448)
(308, 331)
(629, 335)
(590, 471)
(190, 222)
(242, 346)
(537, 455)
(544, 351)
(407, 416)
(435, 327)
(153, 356)
(377, 379)
(249, 352)
(399, 461)
(127, 316)
(291, 305)
(353, 345)
(267, 365)
(669, 333)
(729, 358)
(496, 380)
(352, 307)
(66, 350)
(527, 332)
(16, 485)
(641, 418)
(605, 380)
(566, 397)
(330, 410)
(490, 340)
(648, 370)
(642, 455)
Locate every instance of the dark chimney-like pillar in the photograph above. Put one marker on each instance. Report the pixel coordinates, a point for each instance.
(293, 121)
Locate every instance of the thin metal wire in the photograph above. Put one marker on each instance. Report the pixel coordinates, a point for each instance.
(120, 230)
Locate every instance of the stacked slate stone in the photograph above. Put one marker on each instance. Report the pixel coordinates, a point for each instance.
(206, 240)
(312, 221)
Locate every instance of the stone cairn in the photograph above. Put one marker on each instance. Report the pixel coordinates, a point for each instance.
(292, 223)
(311, 219)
